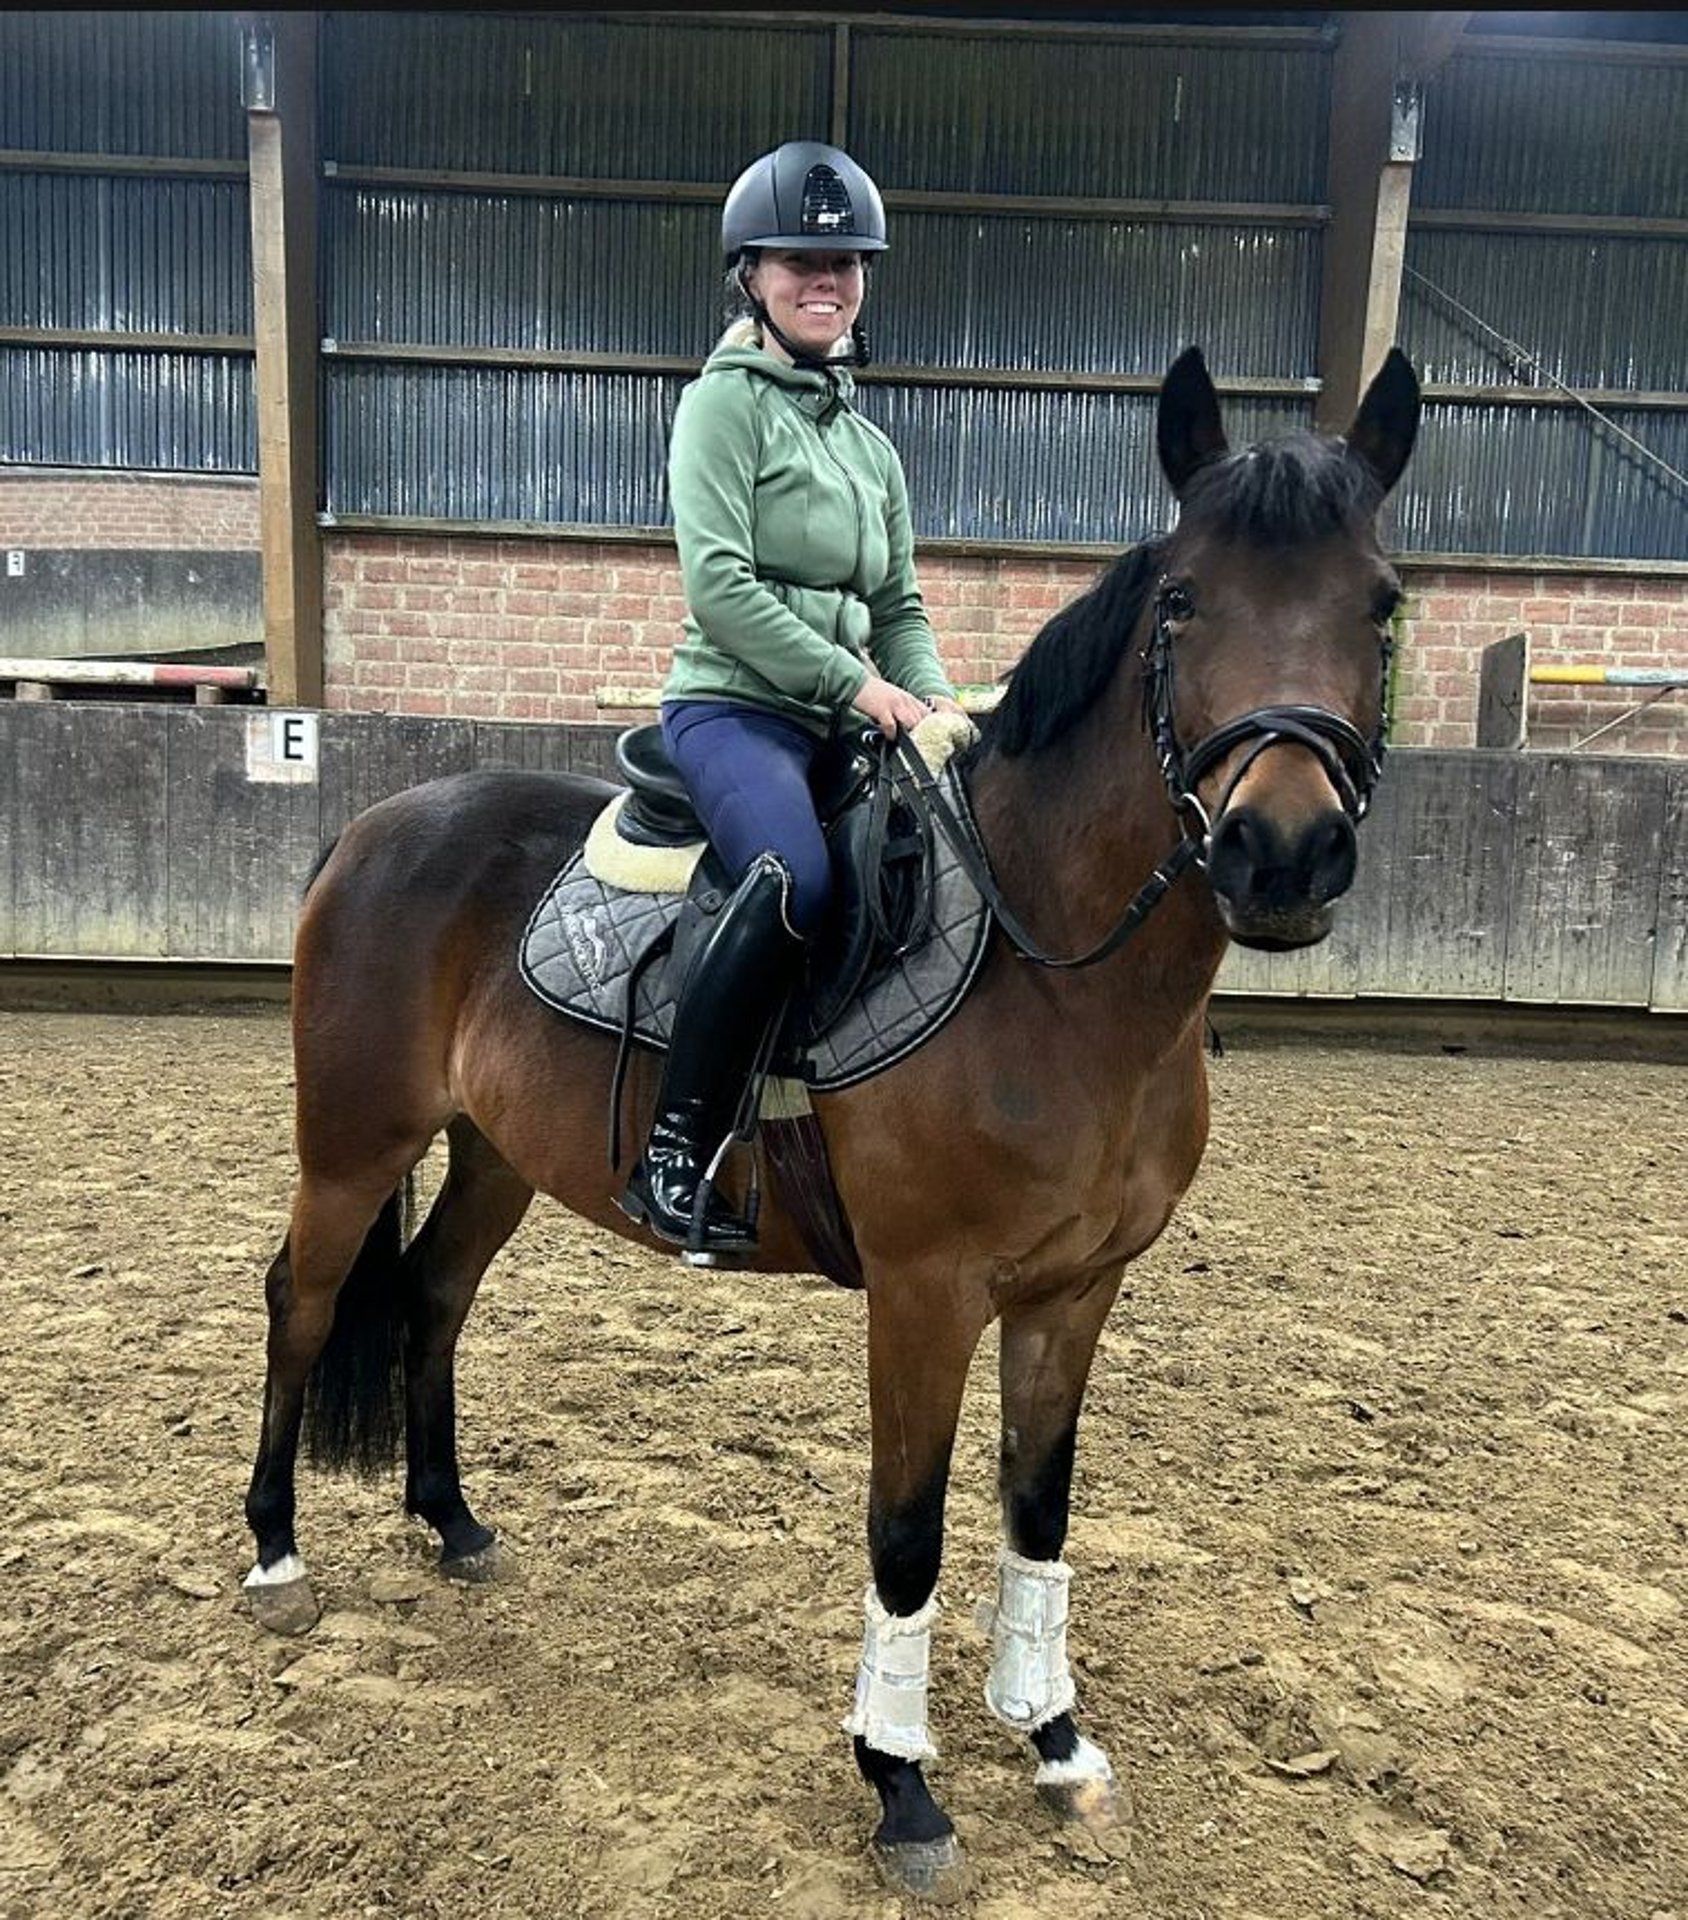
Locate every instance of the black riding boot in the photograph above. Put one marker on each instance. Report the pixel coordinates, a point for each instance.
(737, 987)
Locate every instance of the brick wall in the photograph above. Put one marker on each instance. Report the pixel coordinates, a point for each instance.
(546, 630)
(1572, 620)
(62, 509)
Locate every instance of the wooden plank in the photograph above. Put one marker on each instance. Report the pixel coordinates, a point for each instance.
(1585, 880)
(1388, 263)
(1612, 226)
(91, 846)
(1427, 912)
(240, 845)
(546, 747)
(888, 373)
(283, 142)
(1438, 886)
(1670, 947)
(1361, 101)
(109, 340)
(163, 167)
(367, 756)
(10, 727)
(592, 750)
(563, 747)
(1503, 684)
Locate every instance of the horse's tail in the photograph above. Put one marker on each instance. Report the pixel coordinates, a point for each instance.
(354, 1397)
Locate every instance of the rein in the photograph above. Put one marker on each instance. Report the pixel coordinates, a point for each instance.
(963, 837)
(1350, 761)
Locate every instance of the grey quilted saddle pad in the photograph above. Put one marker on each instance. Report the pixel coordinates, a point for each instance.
(584, 939)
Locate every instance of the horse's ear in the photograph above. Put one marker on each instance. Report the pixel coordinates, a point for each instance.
(1387, 423)
(1188, 431)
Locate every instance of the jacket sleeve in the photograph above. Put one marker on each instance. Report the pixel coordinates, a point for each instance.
(902, 643)
(712, 461)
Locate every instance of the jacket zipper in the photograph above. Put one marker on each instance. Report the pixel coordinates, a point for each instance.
(856, 501)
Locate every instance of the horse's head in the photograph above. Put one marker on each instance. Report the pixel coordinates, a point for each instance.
(1269, 655)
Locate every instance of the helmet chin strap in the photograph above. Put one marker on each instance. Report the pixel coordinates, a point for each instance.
(799, 356)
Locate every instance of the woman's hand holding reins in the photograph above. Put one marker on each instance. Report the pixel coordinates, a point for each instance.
(889, 707)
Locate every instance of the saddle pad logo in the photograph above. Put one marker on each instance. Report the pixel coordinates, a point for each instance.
(586, 944)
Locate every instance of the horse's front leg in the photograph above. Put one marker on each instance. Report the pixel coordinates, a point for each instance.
(1047, 1349)
(919, 1351)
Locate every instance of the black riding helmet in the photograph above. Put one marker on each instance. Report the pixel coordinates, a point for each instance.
(808, 197)
(804, 195)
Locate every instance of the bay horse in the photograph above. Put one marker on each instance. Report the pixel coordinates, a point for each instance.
(1204, 726)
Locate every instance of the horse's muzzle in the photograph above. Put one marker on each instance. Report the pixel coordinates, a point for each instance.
(1277, 885)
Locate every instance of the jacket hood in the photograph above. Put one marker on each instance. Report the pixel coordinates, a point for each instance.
(816, 392)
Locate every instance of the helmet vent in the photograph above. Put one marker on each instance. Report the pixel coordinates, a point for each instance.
(826, 202)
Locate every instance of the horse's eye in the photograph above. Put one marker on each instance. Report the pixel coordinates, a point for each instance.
(1176, 603)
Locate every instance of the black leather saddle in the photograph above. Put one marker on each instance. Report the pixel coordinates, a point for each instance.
(882, 861)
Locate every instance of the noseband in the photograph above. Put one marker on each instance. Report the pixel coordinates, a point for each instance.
(1351, 762)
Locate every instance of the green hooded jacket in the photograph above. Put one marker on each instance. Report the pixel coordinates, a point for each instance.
(796, 554)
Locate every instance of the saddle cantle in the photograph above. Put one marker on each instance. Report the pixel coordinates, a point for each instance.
(902, 942)
(658, 811)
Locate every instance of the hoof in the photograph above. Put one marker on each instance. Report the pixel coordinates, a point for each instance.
(289, 1608)
(486, 1563)
(1101, 1807)
(931, 1870)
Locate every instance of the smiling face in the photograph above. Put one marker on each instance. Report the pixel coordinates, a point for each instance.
(813, 298)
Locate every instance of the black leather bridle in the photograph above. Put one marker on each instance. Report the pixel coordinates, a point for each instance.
(1351, 762)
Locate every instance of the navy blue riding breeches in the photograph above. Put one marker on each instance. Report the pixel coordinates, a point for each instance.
(748, 774)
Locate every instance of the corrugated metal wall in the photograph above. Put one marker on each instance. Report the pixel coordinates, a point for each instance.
(554, 209)
(125, 255)
(1090, 116)
(131, 83)
(1597, 134)
(1083, 119)
(137, 249)
(162, 412)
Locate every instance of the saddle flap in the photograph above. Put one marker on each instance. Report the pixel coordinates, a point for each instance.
(880, 876)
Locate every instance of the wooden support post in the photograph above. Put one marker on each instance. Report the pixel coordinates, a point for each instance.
(280, 96)
(1381, 62)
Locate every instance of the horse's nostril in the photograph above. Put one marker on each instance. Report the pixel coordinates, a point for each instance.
(1251, 862)
(1239, 861)
(1330, 854)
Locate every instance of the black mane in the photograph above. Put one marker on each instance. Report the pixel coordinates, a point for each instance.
(1283, 493)
(1063, 671)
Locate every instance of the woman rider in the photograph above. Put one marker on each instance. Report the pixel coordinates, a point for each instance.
(796, 555)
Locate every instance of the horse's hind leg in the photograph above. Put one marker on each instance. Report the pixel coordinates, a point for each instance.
(1047, 1350)
(336, 1226)
(917, 1370)
(480, 1204)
